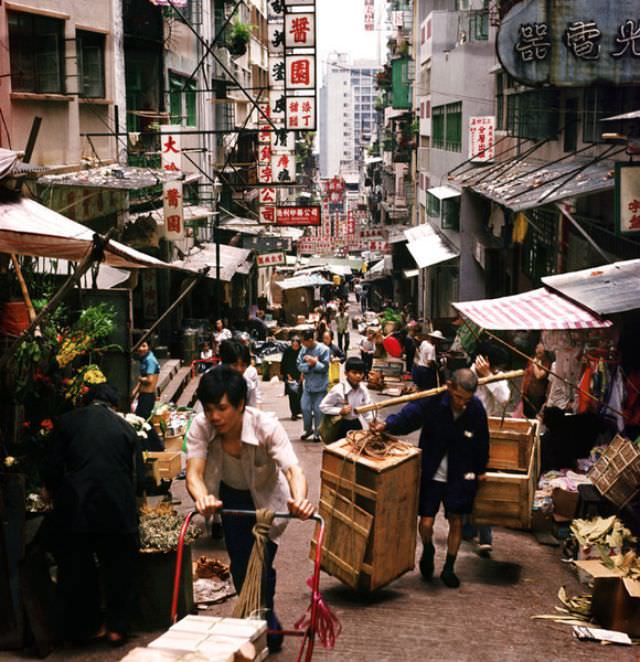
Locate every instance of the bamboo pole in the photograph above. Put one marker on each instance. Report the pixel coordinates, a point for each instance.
(23, 287)
(513, 374)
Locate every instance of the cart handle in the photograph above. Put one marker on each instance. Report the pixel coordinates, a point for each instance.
(243, 513)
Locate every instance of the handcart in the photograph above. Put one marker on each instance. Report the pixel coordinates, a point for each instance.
(317, 620)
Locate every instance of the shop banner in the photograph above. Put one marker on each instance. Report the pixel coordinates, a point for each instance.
(173, 211)
(298, 216)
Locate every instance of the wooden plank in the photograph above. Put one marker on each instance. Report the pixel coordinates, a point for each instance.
(169, 393)
(343, 450)
(188, 395)
(346, 536)
(343, 483)
(167, 370)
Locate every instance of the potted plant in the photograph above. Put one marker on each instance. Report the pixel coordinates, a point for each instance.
(238, 37)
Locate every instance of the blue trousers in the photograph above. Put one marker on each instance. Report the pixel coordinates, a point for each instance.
(483, 531)
(310, 405)
(239, 539)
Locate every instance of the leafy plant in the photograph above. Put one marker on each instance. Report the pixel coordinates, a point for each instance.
(240, 32)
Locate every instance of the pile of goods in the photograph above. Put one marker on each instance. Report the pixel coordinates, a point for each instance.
(160, 529)
(171, 424)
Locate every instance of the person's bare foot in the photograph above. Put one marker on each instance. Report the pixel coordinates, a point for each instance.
(115, 639)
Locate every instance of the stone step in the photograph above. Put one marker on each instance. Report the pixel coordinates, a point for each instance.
(173, 389)
(188, 396)
(168, 369)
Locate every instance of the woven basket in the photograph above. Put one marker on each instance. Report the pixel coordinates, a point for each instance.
(616, 475)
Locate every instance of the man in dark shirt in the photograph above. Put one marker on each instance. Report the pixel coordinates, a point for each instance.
(92, 472)
(455, 450)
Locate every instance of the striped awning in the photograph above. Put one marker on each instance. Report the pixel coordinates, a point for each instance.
(538, 309)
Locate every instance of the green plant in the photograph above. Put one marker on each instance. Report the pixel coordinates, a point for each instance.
(240, 32)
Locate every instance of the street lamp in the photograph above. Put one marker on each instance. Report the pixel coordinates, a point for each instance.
(217, 190)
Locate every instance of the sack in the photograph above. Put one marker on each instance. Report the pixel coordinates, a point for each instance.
(334, 373)
(329, 427)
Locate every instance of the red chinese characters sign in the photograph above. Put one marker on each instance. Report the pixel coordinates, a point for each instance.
(270, 260)
(298, 216)
(301, 113)
(299, 30)
(300, 72)
(628, 198)
(170, 149)
(481, 138)
(173, 210)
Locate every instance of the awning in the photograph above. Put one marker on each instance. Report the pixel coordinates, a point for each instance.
(394, 113)
(8, 159)
(107, 277)
(336, 269)
(381, 269)
(411, 273)
(29, 228)
(324, 260)
(427, 246)
(538, 309)
(112, 177)
(231, 258)
(633, 115)
(521, 185)
(310, 280)
(373, 159)
(609, 289)
(444, 192)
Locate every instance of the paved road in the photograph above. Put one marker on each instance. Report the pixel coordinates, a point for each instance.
(488, 618)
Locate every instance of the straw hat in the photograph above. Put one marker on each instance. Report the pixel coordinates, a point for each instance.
(437, 335)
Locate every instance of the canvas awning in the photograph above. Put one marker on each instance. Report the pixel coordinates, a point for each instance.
(444, 192)
(29, 228)
(324, 260)
(112, 177)
(231, 259)
(427, 246)
(611, 288)
(521, 185)
(538, 309)
(380, 269)
(8, 160)
(310, 280)
(106, 278)
(411, 273)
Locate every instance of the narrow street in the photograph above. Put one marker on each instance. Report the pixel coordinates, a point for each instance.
(489, 618)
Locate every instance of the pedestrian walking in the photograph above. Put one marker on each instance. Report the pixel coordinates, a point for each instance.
(238, 357)
(342, 327)
(536, 382)
(292, 376)
(409, 347)
(455, 451)
(313, 363)
(367, 350)
(220, 333)
(364, 297)
(241, 458)
(344, 397)
(93, 472)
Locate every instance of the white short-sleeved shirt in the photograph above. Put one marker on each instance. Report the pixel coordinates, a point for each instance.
(426, 354)
(266, 454)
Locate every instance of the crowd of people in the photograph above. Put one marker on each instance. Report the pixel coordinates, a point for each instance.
(240, 457)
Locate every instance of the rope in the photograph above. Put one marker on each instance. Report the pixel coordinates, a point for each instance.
(376, 445)
(327, 627)
(250, 601)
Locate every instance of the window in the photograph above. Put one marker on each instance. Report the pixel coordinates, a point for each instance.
(36, 46)
(90, 54)
(602, 101)
(570, 125)
(446, 126)
(182, 100)
(451, 214)
(533, 115)
(433, 206)
(540, 248)
(479, 25)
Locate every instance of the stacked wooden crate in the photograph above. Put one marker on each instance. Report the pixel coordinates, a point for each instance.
(505, 498)
(370, 507)
(616, 474)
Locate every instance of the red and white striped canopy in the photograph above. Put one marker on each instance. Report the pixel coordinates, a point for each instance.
(538, 309)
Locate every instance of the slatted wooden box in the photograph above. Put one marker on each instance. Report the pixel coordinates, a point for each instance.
(616, 474)
(506, 497)
(370, 508)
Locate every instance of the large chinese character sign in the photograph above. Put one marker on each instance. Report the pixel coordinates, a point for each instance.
(628, 198)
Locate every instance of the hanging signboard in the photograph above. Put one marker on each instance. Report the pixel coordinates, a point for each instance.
(170, 149)
(571, 43)
(300, 30)
(481, 138)
(284, 168)
(300, 72)
(298, 216)
(173, 210)
(301, 113)
(271, 260)
(628, 198)
(297, 3)
(369, 15)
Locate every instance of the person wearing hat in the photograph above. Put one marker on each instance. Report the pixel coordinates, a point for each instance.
(291, 376)
(345, 397)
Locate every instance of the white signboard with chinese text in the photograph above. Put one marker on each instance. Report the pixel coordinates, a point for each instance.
(170, 148)
(301, 113)
(284, 167)
(300, 72)
(267, 196)
(300, 30)
(275, 32)
(267, 214)
(628, 197)
(482, 138)
(369, 15)
(173, 211)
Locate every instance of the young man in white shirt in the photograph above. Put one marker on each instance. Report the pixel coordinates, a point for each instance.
(424, 368)
(345, 397)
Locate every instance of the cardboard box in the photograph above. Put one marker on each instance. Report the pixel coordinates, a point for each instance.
(565, 504)
(615, 603)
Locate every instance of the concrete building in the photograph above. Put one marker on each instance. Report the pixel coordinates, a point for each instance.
(363, 74)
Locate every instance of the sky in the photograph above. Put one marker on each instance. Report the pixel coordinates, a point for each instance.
(341, 28)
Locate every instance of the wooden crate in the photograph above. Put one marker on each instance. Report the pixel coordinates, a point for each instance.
(165, 465)
(173, 442)
(616, 475)
(370, 508)
(505, 498)
(511, 442)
